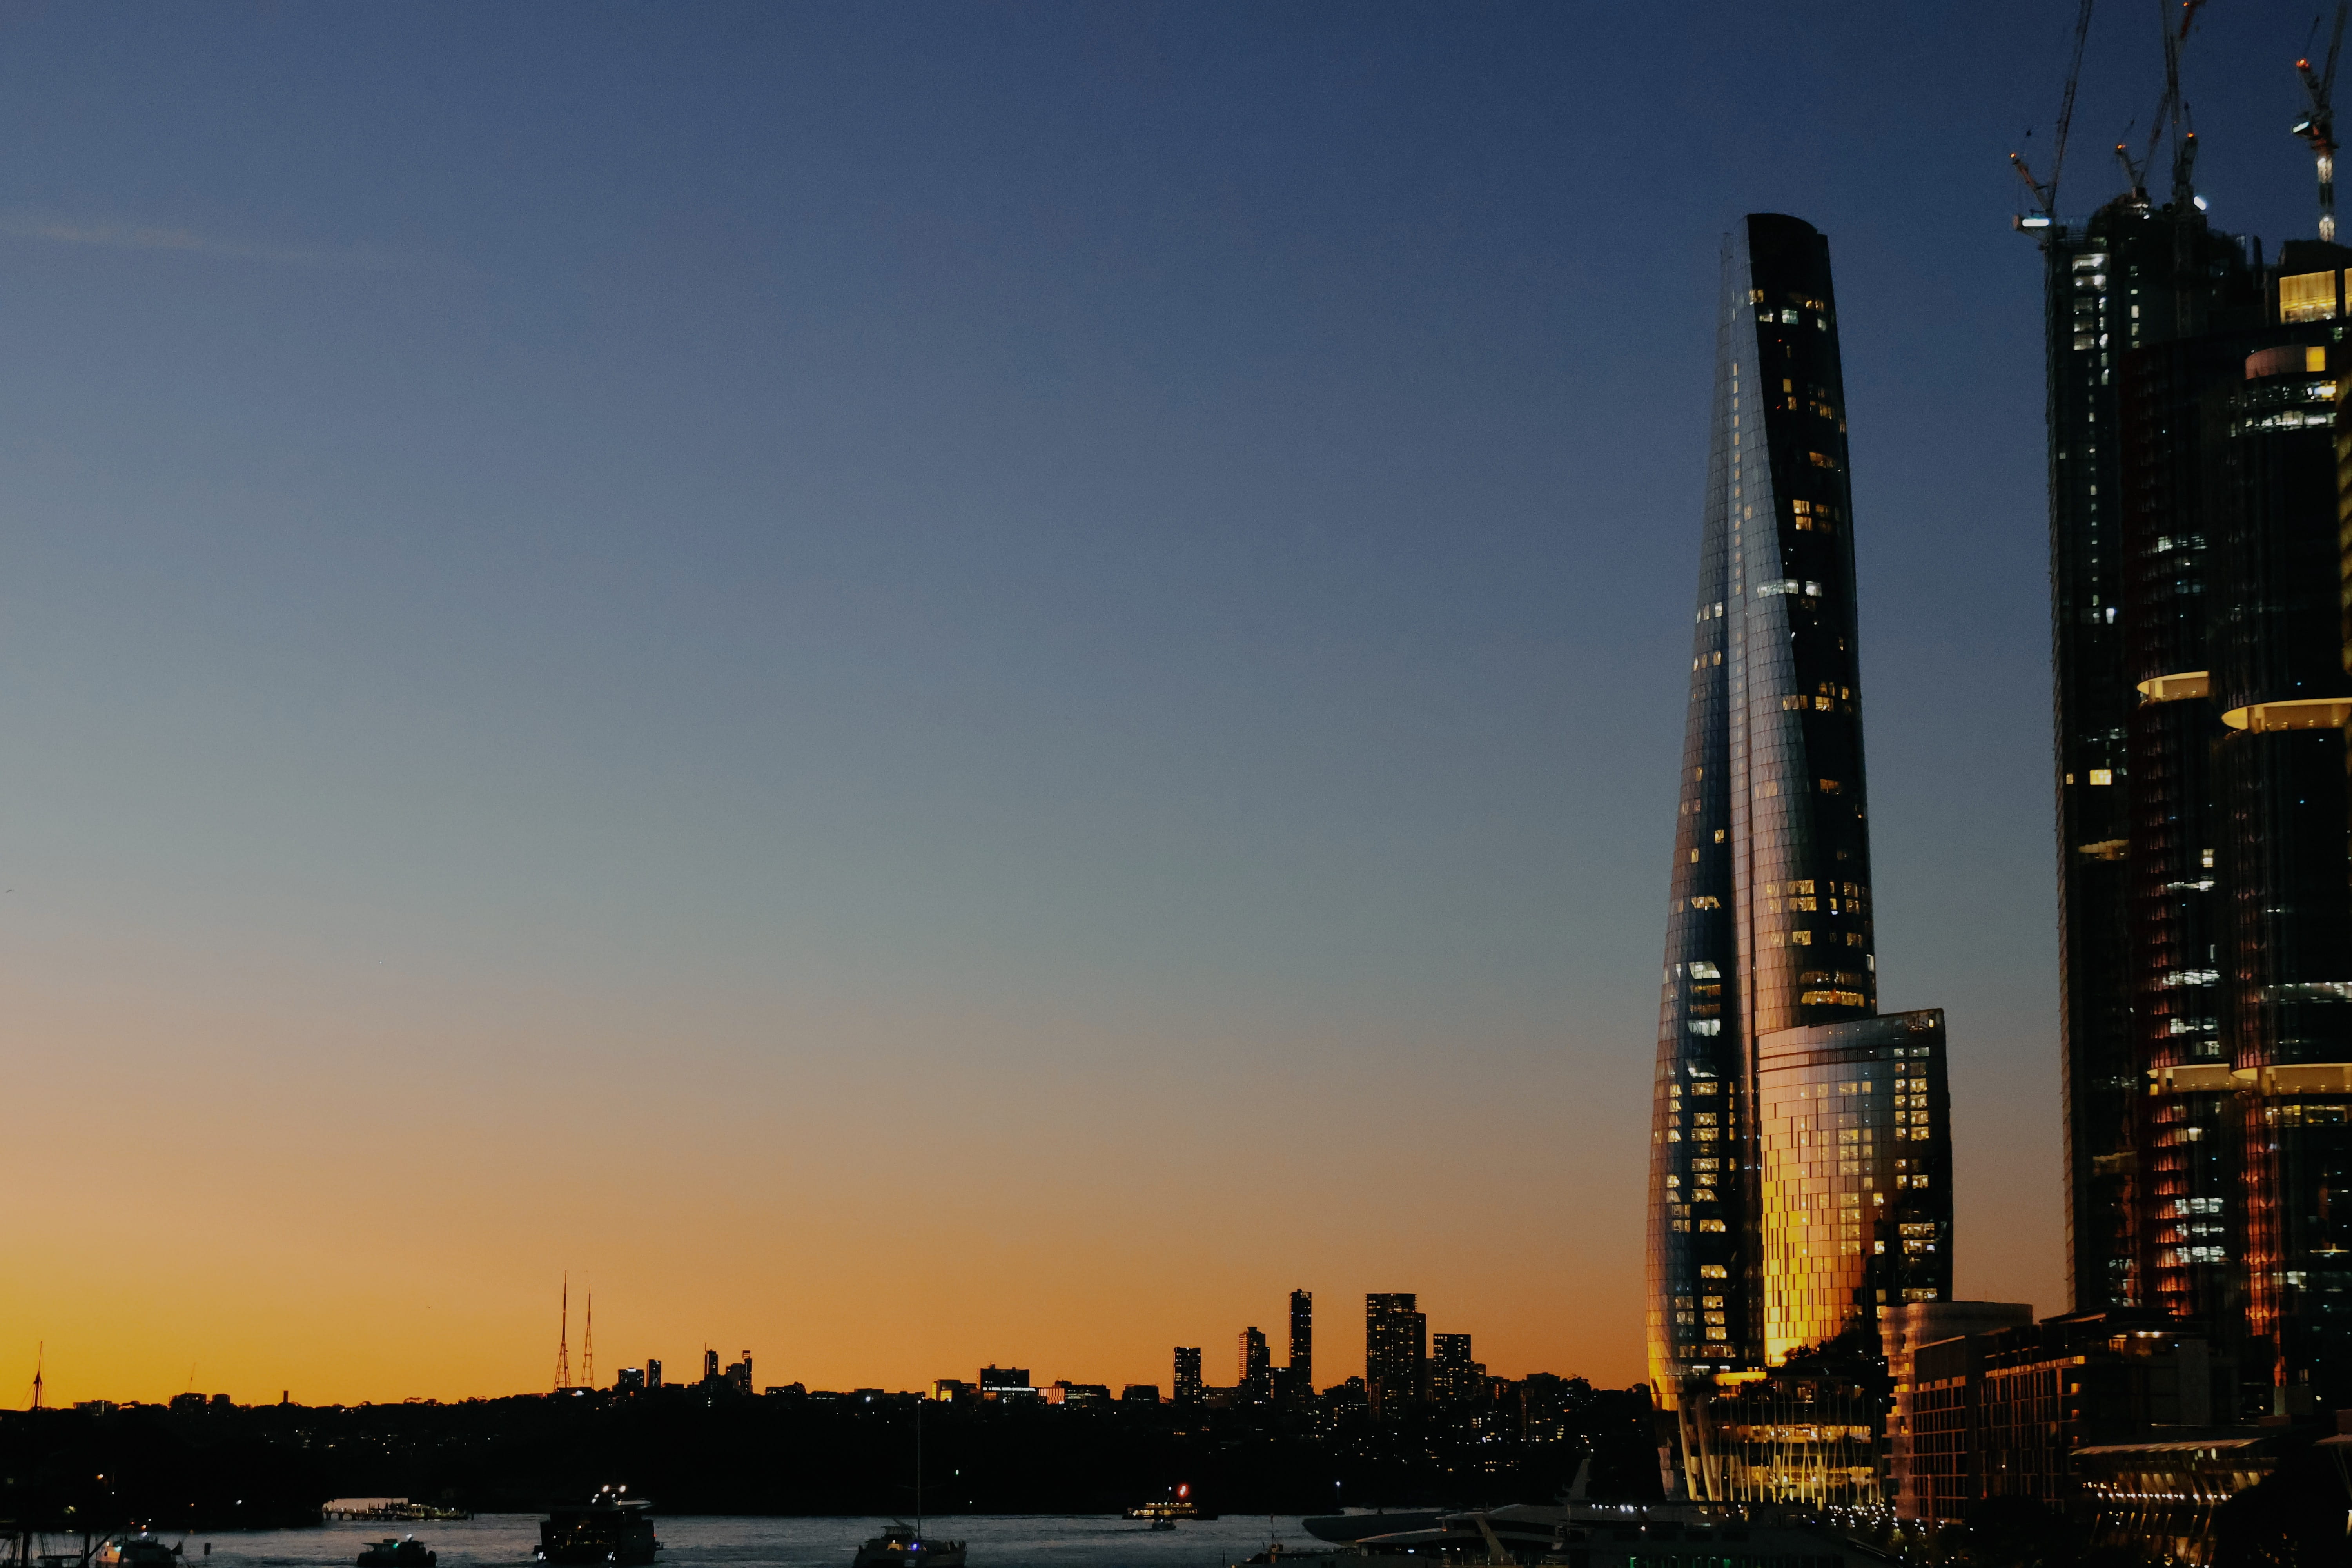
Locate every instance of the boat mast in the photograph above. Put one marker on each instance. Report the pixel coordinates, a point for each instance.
(919, 1469)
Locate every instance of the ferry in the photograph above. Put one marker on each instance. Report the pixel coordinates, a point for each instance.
(1176, 1505)
(609, 1528)
(140, 1551)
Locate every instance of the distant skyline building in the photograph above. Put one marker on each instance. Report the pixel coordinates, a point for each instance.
(1255, 1367)
(1187, 1380)
(1396, 1351)
(1800, 1160)
(1454, 1374)
(1302, 1341)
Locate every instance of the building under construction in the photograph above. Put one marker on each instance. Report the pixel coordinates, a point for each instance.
(2200, 657)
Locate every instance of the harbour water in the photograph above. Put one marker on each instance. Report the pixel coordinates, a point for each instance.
(996, 1540)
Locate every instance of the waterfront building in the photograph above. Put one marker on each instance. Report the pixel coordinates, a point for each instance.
(632, 1380)
(2012, 1412)
(1302, 1341)
(1396, 1352)
(653, 1371)
(1932, 1444)
(1187, 1374)
(738, 1374)
(1800, 1158)
(1139, 1393)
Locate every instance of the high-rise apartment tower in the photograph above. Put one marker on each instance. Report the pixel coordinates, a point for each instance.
(1396, 1351)
(1302, 1341)
(1187, 1374)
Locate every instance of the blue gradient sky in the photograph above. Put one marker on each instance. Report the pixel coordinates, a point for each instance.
(932, 683)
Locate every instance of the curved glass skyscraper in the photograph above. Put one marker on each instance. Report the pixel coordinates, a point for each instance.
(1774, 1206)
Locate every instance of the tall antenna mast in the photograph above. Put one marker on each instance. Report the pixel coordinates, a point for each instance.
(563, 1339)
(588, 1344)
(2319, 124)
(40, 1357)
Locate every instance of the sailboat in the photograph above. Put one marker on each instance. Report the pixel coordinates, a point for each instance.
(900, 1547)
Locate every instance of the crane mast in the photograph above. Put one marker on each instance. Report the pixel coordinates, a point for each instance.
(2046, 192)
(2317, 125)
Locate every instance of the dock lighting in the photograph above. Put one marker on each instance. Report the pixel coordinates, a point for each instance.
(2034, 220)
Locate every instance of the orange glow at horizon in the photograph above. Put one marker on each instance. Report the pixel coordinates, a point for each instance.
(370, 1190)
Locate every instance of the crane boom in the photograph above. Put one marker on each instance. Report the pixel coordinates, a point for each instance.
(2046, 192)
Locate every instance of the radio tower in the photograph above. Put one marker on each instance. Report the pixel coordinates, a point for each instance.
(588, 1344)
(563, 1339)
(39, 1357)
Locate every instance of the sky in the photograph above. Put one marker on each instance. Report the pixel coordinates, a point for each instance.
(922, 685)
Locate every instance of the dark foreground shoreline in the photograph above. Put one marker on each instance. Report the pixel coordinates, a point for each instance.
(220, 1467)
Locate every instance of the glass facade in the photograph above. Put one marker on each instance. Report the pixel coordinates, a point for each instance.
(2201, 689)
(2131, 278)
(2286, 920)
(1855, 1167)
(1769, 925)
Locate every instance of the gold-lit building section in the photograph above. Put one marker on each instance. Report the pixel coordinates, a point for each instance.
(1854, 1173)
(2310, 297)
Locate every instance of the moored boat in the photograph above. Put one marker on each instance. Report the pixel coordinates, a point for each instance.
(405, 1552)
(900, 1547)
(140, 1551)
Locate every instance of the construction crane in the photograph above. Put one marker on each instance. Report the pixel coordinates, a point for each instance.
(2317, 125)
(2045, 193)
(2184, 134)
(2171, 114)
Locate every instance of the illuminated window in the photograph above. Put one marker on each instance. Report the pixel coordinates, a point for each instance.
(1707, 901)
(1710, 1225)
(2103, 776)
(1713, 1271)
(2310, 297)
(1802, 938)
(1831, 786)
